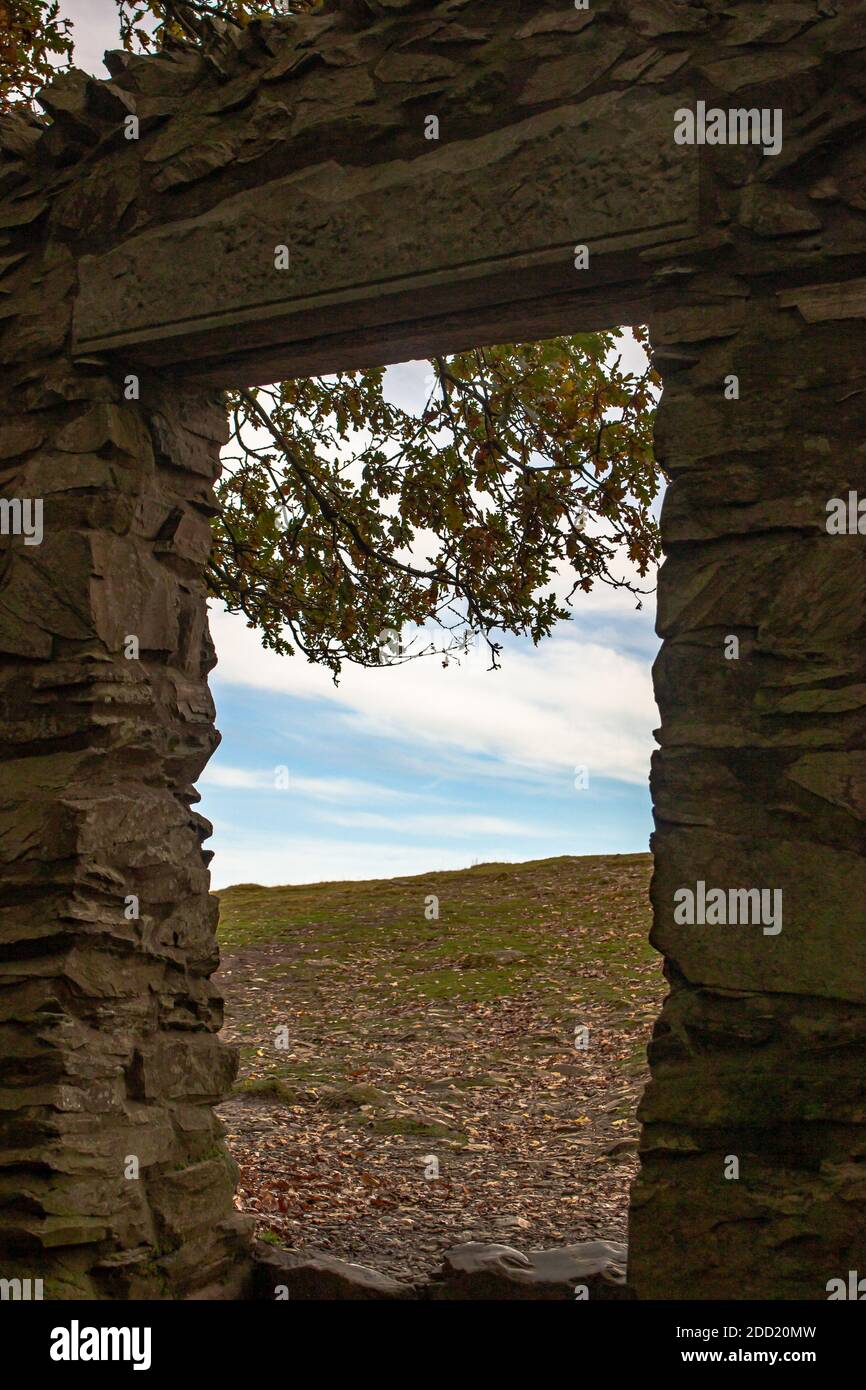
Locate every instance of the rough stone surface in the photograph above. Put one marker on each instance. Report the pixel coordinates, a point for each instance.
(760, 1051)
(312, 1275)
(354, 231)
(107, 1022)
(591, 1270)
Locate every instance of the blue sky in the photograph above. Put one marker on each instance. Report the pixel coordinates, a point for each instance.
(415, 767)
(412, 767)
(437, 769)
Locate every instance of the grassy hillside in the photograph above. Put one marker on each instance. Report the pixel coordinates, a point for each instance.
(412, 1038)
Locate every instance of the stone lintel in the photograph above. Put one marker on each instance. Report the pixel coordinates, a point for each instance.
(465, 239)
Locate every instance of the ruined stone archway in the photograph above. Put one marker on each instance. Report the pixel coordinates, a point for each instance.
(137, 254)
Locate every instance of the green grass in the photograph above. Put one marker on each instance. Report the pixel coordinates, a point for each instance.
(454, 1037)
(572, 920)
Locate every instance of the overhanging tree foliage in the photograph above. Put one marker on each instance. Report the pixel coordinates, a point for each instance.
(345, 520)
(31, 33)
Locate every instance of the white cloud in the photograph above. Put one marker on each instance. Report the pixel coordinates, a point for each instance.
(445, 826)
(565, 703)
(317, 788)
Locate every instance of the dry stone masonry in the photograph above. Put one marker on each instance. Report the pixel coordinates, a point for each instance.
(114, 1178)
(392, 178)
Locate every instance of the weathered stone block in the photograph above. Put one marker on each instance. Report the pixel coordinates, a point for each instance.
(311, 1275)
(497, 1272)
(197, 1068)
(187, 1201)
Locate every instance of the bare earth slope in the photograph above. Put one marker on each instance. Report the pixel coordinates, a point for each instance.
(380, 1048)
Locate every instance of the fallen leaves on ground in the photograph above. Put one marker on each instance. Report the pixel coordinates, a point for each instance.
(433, 1088)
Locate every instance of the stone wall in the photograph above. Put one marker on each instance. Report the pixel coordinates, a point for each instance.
(761, 1049)
(315, 136)
(753, 1181)
(114, 1181)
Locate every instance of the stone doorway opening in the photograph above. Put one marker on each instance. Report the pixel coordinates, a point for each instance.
(430, 1059)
